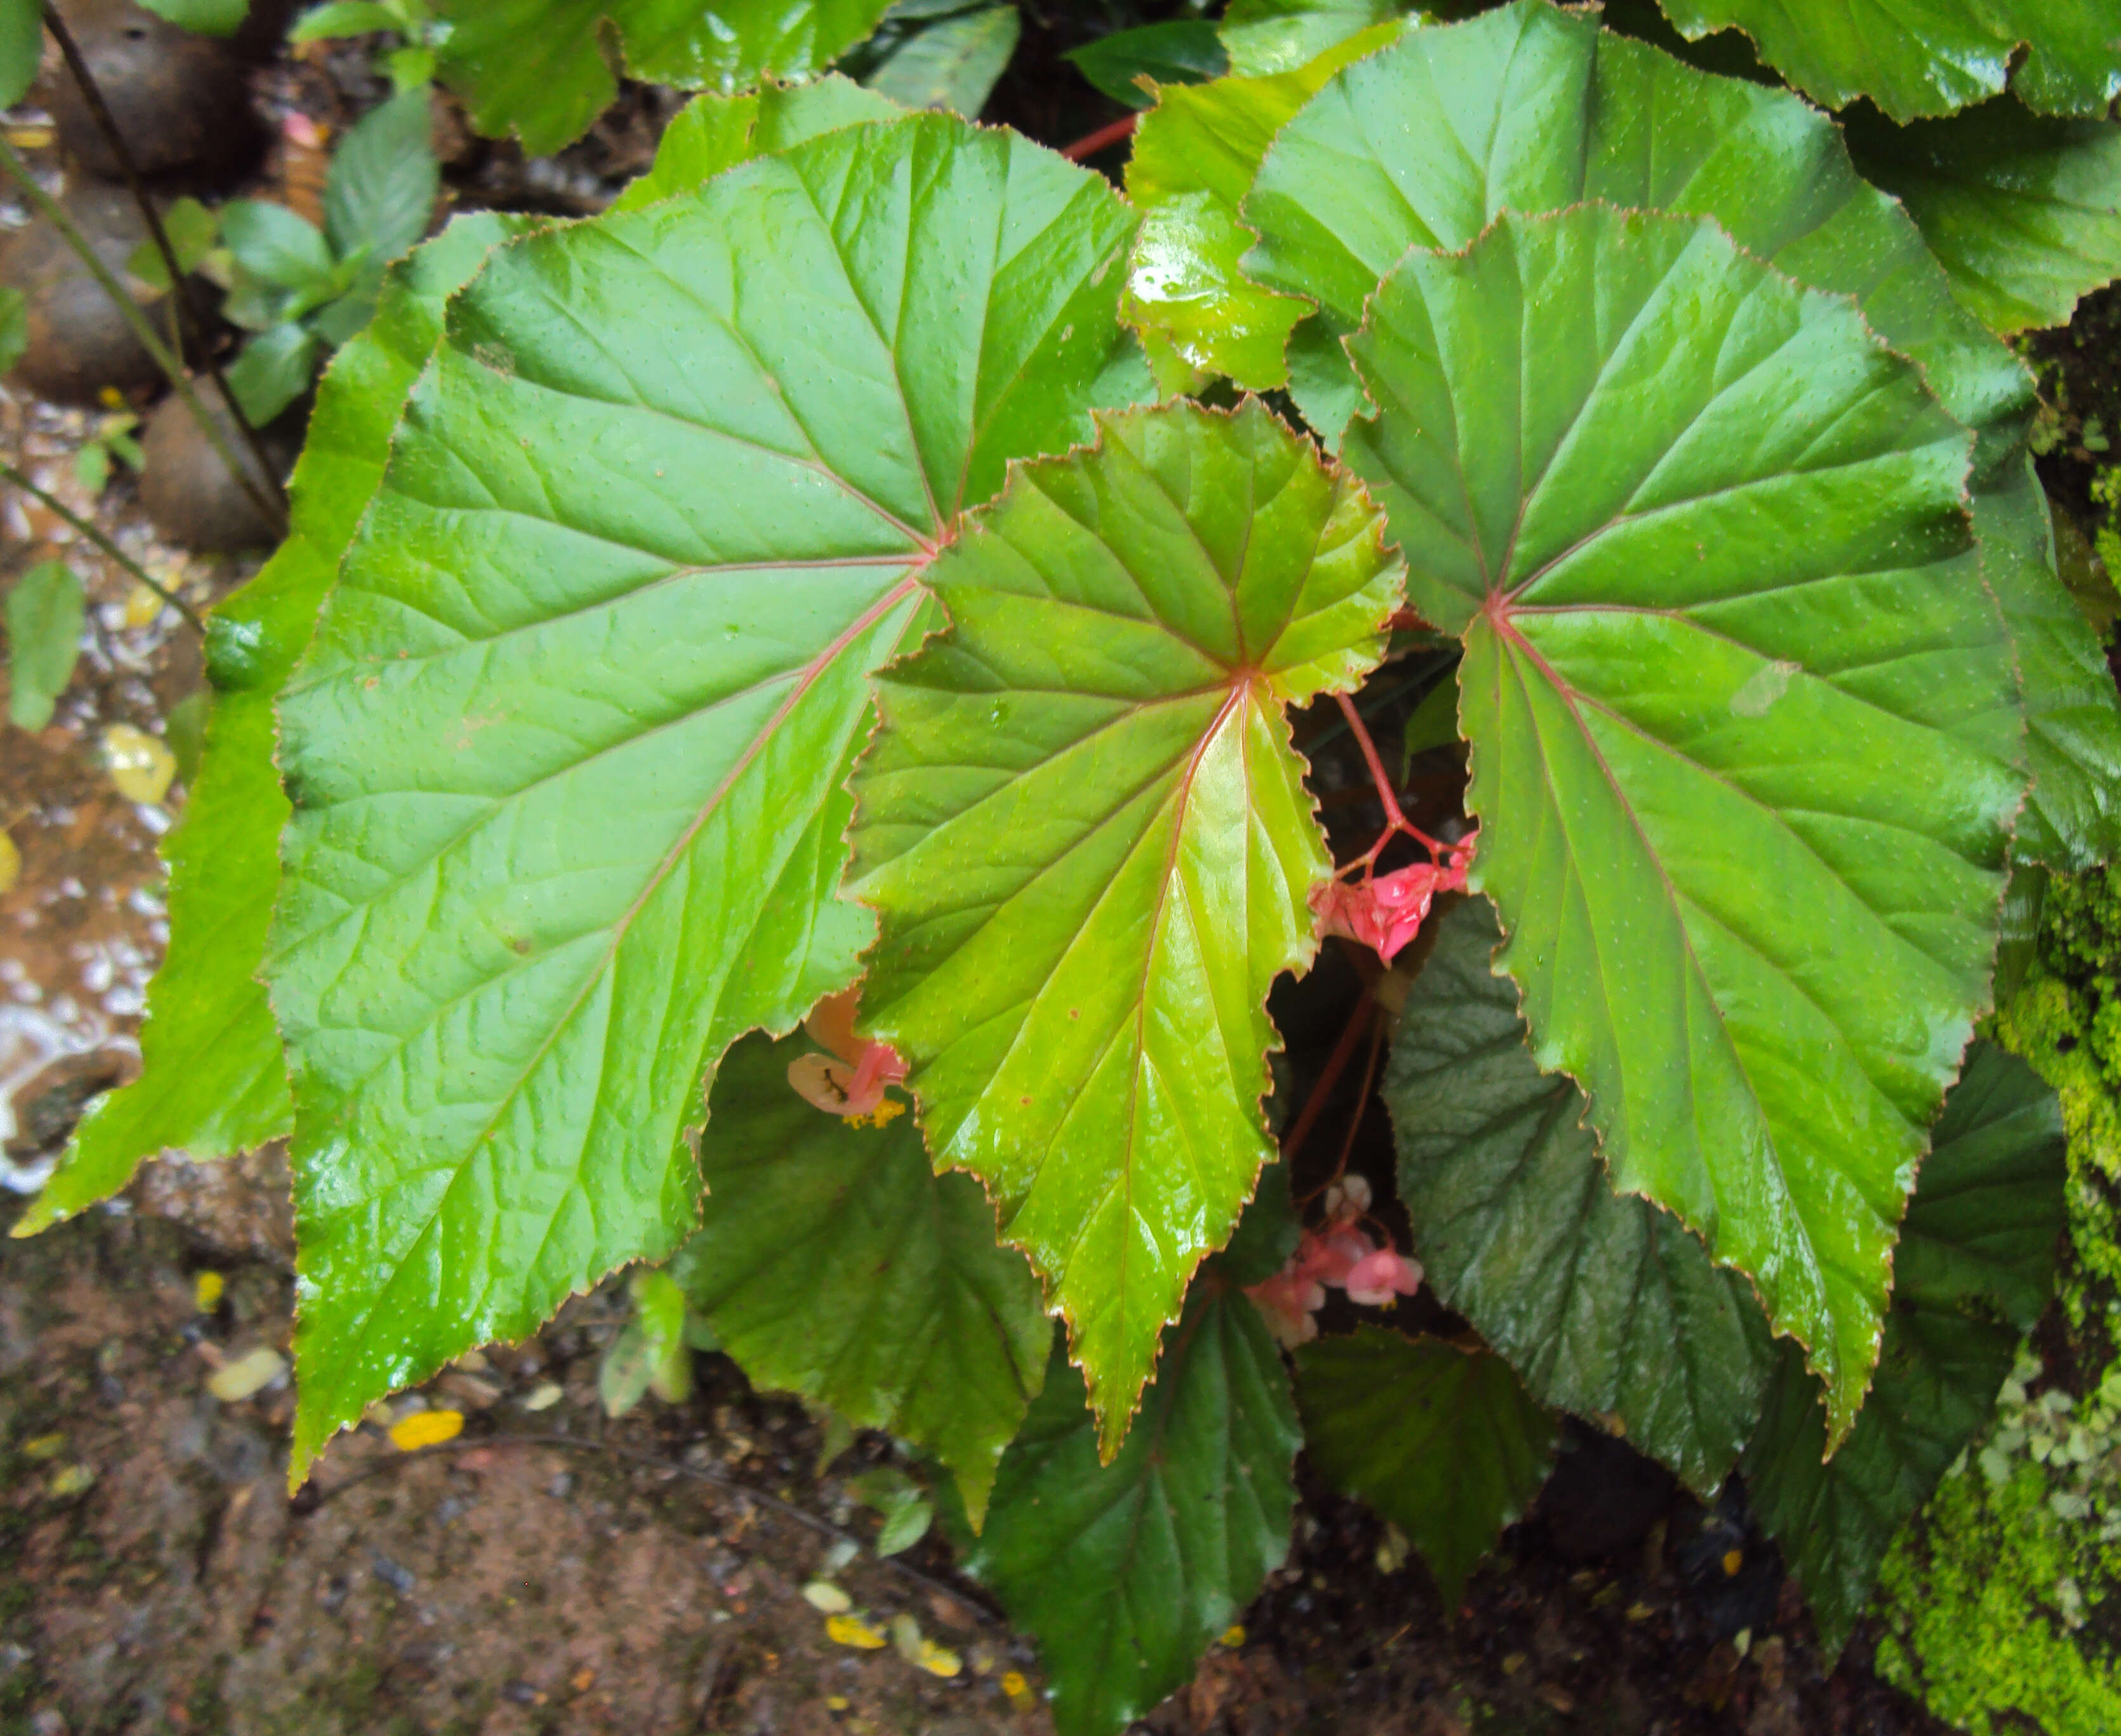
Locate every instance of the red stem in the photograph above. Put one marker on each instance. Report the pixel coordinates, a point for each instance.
(1395, 820)
(1091, 143)
(1336, 1064)
(1362, 1105)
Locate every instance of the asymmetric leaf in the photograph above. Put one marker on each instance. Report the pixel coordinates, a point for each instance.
(2022, 209)
(1930, 58)
(1088, 839)
(1976, 1265)
(833, 1261)
(1706, 540)
(712, 133)
(1194, 155)
(1531, 108)
(212, 1082)
(1123, 1572)
(1606, 1306)
(567, 753)
(543, 69)
(1441, 1441)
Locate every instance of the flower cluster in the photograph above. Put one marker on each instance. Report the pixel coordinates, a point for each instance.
(1387, 911)
(851, 1080)
(1338, 1253)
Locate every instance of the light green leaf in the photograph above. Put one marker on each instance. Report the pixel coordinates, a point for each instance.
(951, 63)
(1194, 157)
(1123, 1572)
(344, 18)
(275, 245)
(208, 17)
(901, 1502)
(832, 1262)
(21, 46)
(1931, 59)
(1265, 37)
(272, 371)
(193, 232)
(1088, 839)
(14, 327)
(1976, 1266)
(712, 133)
(1606, 1306)
(1179, 51)
(1379, 162)
(212, 1082)
(652, 1354)
(567, 753)
(2023, 210)
(1441, 1441)
(1761, 961)
(381, 189)
(45, 609)
(541, 69)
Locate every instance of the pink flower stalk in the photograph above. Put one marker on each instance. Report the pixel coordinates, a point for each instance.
(850, 1081)
(1385, 913)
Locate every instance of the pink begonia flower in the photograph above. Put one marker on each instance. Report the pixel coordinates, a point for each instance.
(1386, 913)
(1376, 1280)
(1337, 1254)
(850, 1081)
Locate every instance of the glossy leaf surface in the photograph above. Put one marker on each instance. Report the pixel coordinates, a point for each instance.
(833, 1262)
(1532, 108)
(712, 133)
(1265, 37)
(1179, 51)
(1443, 1441)
(1976, 1265)
(538, 68)
(1123, 1572)
(1194, 157)
(567, 753)
(1929, 59)
(1606, 1306)
(212, 1082)
(1089, 841)
(2023, 210)
(1705, 541)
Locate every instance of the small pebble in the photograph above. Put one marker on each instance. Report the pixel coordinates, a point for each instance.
(242, 1376)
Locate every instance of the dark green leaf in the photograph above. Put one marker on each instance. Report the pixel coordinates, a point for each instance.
(45, 610)
(1606, 1306)
(1931, 59)
(344, 18)
(1090, 842)
(1267, 1230)
(21, 46)
(1976, 1263)
(1443, 1441)
(1180, 51)
(214, 1083)
(2023, 210)
(832, 1262)
(275, 245)
(208, 17)
(569, 748)
(1431, 723)
(381, 189)
(1761, 960)
(272, 371)
(540, 68)
(712, 133)
(1123, 1572)
(1380, 161)
(14, 327)
(951, 63)
(652, 1354)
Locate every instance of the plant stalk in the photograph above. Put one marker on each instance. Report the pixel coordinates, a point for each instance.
(9, 473)
(143, 328)
(1091, 143)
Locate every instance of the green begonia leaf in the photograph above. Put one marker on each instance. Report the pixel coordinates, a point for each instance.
(212, 1082)
(1705, 539)
(1087, 836)
(542, 69)
(1123, 1572)
(45, 609)
(1179, 51)
(2023, 210)
(833, 1262)
(1531, 108)
(13, 326)
(1975, 1267)
(1194, 155)
(1606, 1306)
(381, 189)
(1930, 58)
(1264, 37)
(1443, 1441)
(949, 62)
(209, 18)
(712, 133)
(21, 46)
(567, 753)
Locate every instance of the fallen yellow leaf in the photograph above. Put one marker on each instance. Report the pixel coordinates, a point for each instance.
(207, 1290)
(11, 863)
(140, 766)
(1019, 1690)
(247, 1375)
(853, 1631)
(1233, 1637)
(938, 1660)
(425, 1429)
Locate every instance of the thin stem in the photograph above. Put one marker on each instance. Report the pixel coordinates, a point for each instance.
(179, 293)
(1091, 143)
(1362, 1104)
(1395, 820)
(1336, 1064)
(9, 473)
(143, 328)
